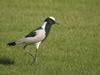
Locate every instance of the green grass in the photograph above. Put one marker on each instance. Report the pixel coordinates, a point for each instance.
(72, 48)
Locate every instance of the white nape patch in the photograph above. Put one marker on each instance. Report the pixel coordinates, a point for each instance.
(44, 24)
(52, 18)
(38, 44)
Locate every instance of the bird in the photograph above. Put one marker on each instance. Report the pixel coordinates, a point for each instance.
(36, 36)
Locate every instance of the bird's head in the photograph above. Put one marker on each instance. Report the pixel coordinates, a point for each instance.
(51, 20)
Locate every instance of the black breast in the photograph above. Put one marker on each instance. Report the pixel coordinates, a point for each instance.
(48, 28)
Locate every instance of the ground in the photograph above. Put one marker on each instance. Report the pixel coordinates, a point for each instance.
(72, 48)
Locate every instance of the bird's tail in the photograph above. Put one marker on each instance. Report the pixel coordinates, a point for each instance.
(11, 44)
(17, 42)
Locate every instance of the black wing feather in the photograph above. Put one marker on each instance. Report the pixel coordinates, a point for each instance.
(33, 33)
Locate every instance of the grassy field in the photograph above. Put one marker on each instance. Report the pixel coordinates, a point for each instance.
(72, 48)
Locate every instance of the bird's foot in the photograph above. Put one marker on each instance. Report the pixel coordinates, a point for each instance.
(34, 60)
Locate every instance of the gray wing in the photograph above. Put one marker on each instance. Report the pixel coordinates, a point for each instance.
(33, 33)
(33, 37)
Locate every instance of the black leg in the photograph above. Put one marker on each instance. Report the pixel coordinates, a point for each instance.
(24, 47)
(27, 51)
(35, 57)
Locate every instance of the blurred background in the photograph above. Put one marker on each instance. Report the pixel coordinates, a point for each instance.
(72, 48)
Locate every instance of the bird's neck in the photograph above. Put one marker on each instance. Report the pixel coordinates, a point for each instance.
(46, 26)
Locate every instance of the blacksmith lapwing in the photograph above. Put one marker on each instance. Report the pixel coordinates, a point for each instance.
(37, 36)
